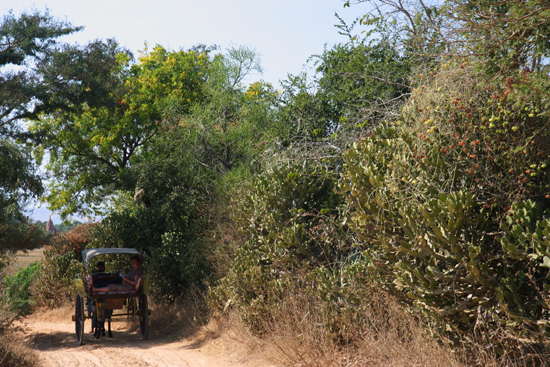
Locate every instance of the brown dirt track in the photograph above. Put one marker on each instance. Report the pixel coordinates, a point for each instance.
(52, 335)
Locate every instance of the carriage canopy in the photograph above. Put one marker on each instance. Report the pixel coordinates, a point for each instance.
(88, 254)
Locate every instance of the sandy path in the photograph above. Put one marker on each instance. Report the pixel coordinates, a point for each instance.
(52, 336)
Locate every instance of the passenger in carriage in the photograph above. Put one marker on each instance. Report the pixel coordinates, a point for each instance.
(129, 282)
(100, 267)
(102, 282)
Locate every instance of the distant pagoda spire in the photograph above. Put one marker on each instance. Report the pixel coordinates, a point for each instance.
(49, 225)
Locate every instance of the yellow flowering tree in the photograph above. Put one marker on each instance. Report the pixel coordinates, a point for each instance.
(90, 149)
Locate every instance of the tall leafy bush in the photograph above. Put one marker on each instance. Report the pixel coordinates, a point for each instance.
(450, 201)
(62, 262)
(289, 220)
(18, 294)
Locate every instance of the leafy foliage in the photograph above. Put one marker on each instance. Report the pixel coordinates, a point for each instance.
(435, 196)
(19, 180)
(25, 40)
(289, 219)
(177, 179)
(54, 286)
(18, 295)
(224, 127)
(354, 82)
(91, 148)
(19, 183)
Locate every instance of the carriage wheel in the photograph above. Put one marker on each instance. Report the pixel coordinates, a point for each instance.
(79, 319)
(143, 316)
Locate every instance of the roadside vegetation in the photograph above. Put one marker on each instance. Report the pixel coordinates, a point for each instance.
(391, 207)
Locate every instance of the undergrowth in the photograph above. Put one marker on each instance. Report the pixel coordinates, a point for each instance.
(180, 319)
(14, 354)
(17, 295)
(380, 332)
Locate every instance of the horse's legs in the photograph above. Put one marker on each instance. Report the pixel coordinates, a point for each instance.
(110, 334)
(89, 309)
(92, 313)
(100, 325)
(100, 328)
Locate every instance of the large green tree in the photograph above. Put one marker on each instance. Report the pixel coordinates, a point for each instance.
(511, 34)
(41, 77)
(200, 143)
(91, 146)
(26, 42)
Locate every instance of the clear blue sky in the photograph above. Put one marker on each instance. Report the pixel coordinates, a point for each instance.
(284, 32)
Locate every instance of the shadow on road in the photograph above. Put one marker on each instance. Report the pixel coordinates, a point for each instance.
(63, 336)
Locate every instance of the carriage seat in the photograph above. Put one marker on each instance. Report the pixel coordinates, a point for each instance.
(116, 293)
(104, 276)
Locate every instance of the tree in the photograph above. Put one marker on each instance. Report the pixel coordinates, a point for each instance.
(25, 42)
(91, 146)
(225, 125)
(361, 83)
(356, 85)
(187, 170)
(19, 183)
(512, 33)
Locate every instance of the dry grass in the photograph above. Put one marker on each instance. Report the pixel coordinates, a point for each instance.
(13, 351)
(182, 319)
(383, 334)
(303, 346)
(306, 332)
(16, 354)
(23, 259)
(302, 332)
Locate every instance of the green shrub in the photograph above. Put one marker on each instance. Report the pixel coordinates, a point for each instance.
(54, 286)
(18, 295)
(62, 262)
(178, 266)
(450, 203)
(291, 227)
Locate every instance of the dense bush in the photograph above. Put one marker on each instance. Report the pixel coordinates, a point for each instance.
(54, 286)
(290, 223)
(179, 266)
(17, 294)
(62, 262)
(175, 260)
(450, 202)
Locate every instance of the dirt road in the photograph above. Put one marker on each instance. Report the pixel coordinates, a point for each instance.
(52, 336)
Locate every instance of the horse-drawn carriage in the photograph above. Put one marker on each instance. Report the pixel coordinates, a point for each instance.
(101, 305)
